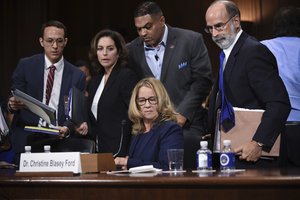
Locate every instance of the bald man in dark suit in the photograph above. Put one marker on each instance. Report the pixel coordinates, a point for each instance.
(250, 80)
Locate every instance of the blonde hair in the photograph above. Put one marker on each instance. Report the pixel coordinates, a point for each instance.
(165, 107)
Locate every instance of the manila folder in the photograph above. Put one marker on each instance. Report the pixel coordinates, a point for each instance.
(246, 123)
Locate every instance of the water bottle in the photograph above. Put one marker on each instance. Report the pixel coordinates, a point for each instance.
(47, 148)
(204, 157)
(227, 156)
(27, 149)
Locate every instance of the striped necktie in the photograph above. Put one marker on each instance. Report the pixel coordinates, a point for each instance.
(227, 113)
(49, 86)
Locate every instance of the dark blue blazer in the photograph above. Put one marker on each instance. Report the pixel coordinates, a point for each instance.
(151, 148)
(29, 78)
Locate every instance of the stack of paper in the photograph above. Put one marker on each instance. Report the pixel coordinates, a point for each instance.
(135, 170)
(38, 129)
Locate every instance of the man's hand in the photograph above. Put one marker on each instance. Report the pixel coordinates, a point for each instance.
(250, 152)
(14, 104)
(181, 119)
(64, 132)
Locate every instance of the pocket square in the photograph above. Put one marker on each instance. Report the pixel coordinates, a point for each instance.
(182, 65)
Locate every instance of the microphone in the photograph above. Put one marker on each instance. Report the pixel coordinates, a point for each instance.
(123, 122)
(156, 57)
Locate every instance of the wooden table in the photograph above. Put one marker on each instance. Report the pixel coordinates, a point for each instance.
(250, 184)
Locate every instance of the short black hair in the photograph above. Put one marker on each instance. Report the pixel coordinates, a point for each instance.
(287, 22)
(147, 8)
(55, 23)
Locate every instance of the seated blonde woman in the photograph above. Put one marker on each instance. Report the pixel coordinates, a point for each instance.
(154, 126)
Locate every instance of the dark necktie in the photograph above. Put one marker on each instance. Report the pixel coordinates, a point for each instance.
(227, 113)
(49, 86)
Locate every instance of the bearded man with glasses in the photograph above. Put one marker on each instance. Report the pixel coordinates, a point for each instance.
(249, 79)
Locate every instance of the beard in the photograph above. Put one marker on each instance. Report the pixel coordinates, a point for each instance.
(224, 41)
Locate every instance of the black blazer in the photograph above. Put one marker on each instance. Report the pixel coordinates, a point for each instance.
(112, 109)
(251, 80)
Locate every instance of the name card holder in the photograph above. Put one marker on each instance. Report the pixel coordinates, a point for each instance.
(50, 162)
(64, 164)
(96, 163)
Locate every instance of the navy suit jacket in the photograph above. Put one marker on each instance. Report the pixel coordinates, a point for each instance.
(251, 80)
(186, 69)
(112, 118)
(155, 143)
(29, 78)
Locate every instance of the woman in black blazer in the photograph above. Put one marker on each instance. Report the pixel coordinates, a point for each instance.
(109, 93)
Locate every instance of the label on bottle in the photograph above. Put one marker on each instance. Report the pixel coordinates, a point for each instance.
(227, 160)
(209, 160)
(204, 161)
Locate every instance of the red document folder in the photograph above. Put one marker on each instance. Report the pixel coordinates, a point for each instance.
(246, 123)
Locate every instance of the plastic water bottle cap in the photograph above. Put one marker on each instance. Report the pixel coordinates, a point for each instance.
(227, 142)
(47, 148)
(203, 143)
(27, 148)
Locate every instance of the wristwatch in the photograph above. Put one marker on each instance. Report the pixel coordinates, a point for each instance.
(260, 144)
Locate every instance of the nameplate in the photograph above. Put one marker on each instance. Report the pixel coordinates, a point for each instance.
(50, 162)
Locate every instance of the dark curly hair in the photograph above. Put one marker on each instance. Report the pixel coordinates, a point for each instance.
(287, 22)
(119, 42)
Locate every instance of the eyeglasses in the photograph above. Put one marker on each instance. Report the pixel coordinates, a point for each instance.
(218, 27)
(51, 41)
(142, 101)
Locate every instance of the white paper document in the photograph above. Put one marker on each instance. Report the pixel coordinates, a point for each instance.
(135, 170)
(51, 162)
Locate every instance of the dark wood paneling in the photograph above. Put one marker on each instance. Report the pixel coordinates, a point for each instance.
(21, 21)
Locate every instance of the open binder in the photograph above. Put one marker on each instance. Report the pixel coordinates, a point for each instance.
(37, 107)
(246, 123)
(78, 106)
(40, 109)
(4, 133)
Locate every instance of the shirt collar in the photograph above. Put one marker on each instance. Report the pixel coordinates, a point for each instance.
(57, 65)
(228, 50)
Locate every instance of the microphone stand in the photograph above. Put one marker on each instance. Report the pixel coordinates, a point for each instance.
(123, 122)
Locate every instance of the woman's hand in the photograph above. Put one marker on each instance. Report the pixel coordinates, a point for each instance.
(122, 162)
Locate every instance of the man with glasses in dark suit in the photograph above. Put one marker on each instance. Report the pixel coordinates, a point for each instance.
(47, 77)
(250, 81)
